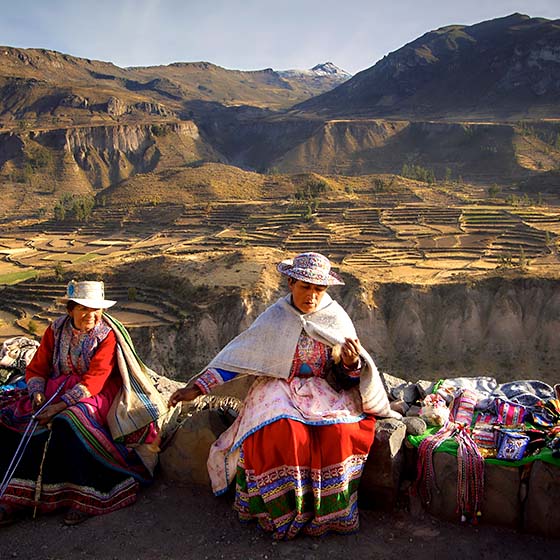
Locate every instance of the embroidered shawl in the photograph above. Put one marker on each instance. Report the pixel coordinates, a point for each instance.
(267, 347)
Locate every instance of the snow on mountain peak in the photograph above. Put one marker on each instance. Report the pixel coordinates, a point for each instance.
(326, 70)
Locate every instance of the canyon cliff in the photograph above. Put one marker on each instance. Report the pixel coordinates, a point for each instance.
(503, 327)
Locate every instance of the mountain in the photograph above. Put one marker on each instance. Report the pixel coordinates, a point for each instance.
(503, 68)
(318, 72)
(47, 88)
(477, 103)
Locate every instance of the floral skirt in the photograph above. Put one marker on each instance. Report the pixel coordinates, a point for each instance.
(294, 477)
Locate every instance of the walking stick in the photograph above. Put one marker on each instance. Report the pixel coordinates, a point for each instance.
(24, 442)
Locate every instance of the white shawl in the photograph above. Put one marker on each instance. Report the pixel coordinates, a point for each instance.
(267, 347)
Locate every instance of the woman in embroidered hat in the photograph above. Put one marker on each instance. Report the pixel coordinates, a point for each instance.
(300, 443)
(71, 440)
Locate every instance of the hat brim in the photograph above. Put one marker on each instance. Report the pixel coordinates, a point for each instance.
(91, 303)
(287, 268)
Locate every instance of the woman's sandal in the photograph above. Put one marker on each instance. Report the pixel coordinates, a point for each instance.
(7, 516)
(75, 516)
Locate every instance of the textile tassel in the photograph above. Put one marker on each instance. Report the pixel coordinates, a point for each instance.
(470, 476)
(426, 479)
(470, 463)
(39, 483)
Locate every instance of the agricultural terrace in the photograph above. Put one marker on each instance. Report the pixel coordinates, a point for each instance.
(393, 239)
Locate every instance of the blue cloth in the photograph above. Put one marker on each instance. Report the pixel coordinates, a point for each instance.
(226, 375)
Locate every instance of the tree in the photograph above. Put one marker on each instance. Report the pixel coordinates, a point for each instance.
(74, 208)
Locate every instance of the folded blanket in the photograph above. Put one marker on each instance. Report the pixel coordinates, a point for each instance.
(139, 403)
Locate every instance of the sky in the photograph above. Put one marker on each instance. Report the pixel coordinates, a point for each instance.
(242, 34)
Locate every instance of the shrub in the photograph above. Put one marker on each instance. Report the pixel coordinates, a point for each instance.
(311, 190)
(418, 173)
(32, 327)
(72, 208)
(159, 130)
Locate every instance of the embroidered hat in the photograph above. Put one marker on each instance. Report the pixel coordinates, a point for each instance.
(88, 293)
(310, 267)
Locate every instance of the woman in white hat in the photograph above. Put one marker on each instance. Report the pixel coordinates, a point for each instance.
(72, 460)
(299, 445)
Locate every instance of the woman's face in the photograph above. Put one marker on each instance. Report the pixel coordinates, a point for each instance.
(306, 297)
(85, 318)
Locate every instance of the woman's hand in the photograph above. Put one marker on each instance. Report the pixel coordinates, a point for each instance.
(185, 394)
(38, 400)
(50, 412)
(350, 352)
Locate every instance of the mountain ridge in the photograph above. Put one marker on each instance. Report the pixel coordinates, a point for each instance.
(506, 68)
(39, 85)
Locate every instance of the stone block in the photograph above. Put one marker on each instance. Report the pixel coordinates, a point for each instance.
(501, 504)
(184, 458)
(443, 502)
(542, 508)
(399, 406)
(424, 387)
(379, 487)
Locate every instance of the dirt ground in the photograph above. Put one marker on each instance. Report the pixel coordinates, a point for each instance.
(188, 522)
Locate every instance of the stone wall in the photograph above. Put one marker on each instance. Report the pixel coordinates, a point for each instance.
(521, 498)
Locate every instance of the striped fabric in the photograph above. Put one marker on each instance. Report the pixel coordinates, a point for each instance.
(510, 414)
(139, 403)
(294, 478)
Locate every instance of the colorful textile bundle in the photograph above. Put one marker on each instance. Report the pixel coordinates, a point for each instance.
(511, 445)
(485, 436)
(510, 414)
(470, 463)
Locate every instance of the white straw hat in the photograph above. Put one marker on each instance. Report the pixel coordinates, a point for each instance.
(310, 267)
(88, 293)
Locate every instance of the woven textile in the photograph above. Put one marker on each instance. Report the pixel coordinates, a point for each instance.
(83, 468)
(138, 403)
(295, 478)
(309, 401)
(470, 463)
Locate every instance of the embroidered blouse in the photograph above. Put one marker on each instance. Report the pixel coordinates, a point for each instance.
(94, 370)
(311, 359)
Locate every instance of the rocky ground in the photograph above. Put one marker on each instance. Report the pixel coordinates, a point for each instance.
(187, 522)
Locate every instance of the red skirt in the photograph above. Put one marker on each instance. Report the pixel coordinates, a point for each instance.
(296, 477)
